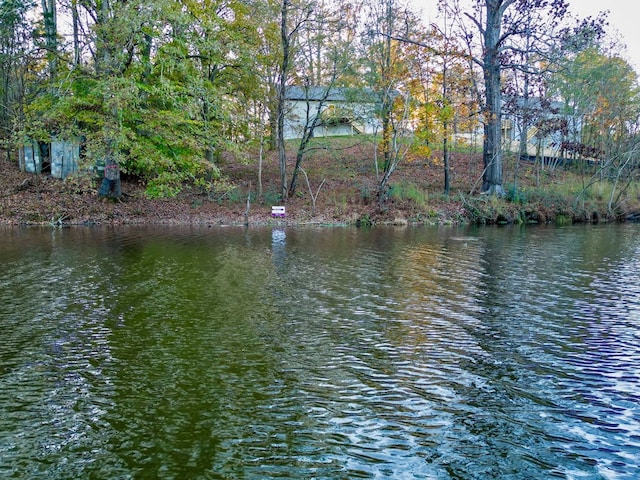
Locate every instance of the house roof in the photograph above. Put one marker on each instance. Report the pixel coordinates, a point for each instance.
(331, 94)
(532, 103)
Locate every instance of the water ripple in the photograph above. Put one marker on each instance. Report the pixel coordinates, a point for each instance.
(437, 354)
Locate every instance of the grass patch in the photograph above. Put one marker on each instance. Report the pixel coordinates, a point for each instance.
(271, 196)
(405, 190)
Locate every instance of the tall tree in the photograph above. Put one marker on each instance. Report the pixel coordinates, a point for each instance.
(388, 29)
(15, 44)
(601, 95)
(500, 24)
(442, 88)
(293, 18)
(50, 21)
(168, 79)
(75, 24)
(327, 59)
(601, 98)
(452, 83)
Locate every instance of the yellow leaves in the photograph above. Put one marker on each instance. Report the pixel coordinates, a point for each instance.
(421, 151)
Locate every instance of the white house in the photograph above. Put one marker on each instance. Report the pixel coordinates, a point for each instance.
(547, 132)
(342, 111)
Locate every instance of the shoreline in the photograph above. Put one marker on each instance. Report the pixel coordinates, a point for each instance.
(39, 200)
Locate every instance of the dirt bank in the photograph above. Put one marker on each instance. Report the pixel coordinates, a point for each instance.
(346, 196)
(339, 191)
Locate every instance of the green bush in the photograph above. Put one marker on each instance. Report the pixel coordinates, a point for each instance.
(408, 191)
(516, 195)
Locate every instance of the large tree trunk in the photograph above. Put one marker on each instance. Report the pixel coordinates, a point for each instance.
(51, 34)
(103, 56)
(492, 153)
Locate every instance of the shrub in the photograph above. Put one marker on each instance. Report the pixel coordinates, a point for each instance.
(408, 191)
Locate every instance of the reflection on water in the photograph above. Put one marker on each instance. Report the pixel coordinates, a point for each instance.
(320, 353)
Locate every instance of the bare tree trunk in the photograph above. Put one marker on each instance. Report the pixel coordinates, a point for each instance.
(103, 57)
(524, 127)
(282, 83)
(447, 162)
(387, 101)
(445, 130)
(312, 121)
(261, 151)
(445, 99)
(308, 134)
(76, 32)
(492, 154)
(396, 152)
(51, 34)
(273, 131)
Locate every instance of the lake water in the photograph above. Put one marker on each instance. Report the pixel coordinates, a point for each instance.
(338, 353)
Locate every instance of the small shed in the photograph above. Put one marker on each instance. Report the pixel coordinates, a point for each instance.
(65, 156)
(59, 158)
(30, 157)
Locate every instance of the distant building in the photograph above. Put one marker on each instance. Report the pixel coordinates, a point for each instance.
(341, 111)
(548, 129)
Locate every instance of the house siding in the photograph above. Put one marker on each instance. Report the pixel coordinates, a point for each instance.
(358, 105)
